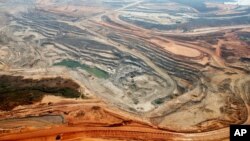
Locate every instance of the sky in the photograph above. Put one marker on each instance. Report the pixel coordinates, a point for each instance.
(240, 2)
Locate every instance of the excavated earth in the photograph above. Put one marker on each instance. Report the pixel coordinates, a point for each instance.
(123, 70)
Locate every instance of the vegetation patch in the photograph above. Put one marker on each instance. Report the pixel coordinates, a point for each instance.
(15, 90)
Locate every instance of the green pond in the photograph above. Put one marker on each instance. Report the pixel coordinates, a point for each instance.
(92, 70)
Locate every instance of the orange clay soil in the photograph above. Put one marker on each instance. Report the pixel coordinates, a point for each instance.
(91, 119)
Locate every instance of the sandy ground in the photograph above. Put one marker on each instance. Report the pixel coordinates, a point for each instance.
(53, 99)
(176, 49)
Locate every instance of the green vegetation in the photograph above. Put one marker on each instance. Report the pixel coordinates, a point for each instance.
(22, 97)
(162, 100)
(32, 95)
(64, 91)
(159, 101)
(15, 90)
(92, 70)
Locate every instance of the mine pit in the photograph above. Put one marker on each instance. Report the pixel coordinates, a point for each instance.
(123, 70)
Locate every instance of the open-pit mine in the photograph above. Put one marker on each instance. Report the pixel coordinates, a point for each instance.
(123, 70)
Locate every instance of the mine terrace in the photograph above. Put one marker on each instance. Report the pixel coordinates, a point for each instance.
(123, 69)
